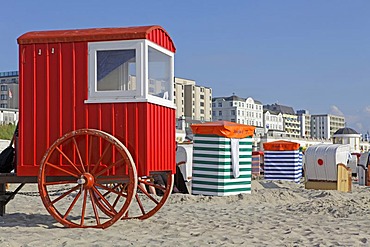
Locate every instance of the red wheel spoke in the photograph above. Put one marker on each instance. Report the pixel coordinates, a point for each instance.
(69, 161)
(104, 200)
(141, 189)
(94, 207)
(116, 201)
(145, 181)
(60, 182)
(72, 205)
(114, 188)
(111, 190)
(147, 204)
(62, 169)
(115, 164)
(140, 204)
(150, 197)
(101, 158)
(79, 154)
(83, 210)
(90, 153)
(157, 186)
(65, 194)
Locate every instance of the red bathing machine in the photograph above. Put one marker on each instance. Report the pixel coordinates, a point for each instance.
(91, 99)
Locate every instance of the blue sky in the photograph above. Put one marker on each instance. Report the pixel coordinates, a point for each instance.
(307, 54)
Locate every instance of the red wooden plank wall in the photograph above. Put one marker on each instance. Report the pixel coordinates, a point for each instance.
(53, 88)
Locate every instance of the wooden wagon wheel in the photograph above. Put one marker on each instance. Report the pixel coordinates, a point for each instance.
(76, 173)
(146, 204)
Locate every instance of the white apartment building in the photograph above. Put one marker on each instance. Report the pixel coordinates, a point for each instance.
(192, 101)
(179, 98)
(239, 110)
(292, 125)
(273, 121)
(305, 120)
(325, 125)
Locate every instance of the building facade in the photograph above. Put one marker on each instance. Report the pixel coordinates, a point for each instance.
(305, 120)
(239, 110)
(9, 90)
(325, 125)
(273, 121)
(193, 101)
(292, 124)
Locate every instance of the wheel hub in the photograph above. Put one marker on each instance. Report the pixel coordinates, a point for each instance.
(87, 180)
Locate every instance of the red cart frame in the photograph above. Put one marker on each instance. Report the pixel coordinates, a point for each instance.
(97, 119)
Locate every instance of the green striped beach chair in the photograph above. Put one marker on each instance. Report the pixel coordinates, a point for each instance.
(212, 166)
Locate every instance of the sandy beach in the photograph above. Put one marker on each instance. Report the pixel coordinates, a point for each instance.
(275, 214)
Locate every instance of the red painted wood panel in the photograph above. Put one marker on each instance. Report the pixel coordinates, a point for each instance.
(53, 90)
(27, 104)
(68, 90)
(42, 97)
(81, 85)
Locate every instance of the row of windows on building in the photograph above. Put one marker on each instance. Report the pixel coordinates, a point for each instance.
(201, 111)
(240, 104)
(240, 113)
(275, 126)
(9, 80)
(247, 122)
(274, 118)
(292, 125)
(291, 119)
(201, 103)
(4, 88)
(200, 96)
(9, 73)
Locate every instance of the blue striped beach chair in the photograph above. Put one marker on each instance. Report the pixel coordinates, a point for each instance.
(283, 161)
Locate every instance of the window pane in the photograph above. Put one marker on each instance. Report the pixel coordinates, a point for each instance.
(159, 73)
(116, 70)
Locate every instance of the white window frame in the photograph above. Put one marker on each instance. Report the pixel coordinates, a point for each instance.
(153, 99)
(141, 93)
(95, 96)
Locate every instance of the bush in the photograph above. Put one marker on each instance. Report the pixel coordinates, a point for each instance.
(7, 131)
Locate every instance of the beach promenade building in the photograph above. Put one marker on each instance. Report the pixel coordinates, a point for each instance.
(292, 124)
(348, 136)
(192, 101)
(305, 120)
(239, 110)
(273, 121)
(325, 125)
(9, 89)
